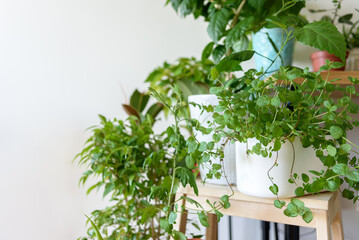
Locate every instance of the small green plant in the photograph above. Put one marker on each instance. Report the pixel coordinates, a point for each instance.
(127, 158)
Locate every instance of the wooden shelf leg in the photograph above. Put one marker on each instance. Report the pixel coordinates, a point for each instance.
(181, 222)
(323, 225)
(212, 230)
(337, 227)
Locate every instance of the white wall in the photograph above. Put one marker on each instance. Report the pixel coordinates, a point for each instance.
(61, 63)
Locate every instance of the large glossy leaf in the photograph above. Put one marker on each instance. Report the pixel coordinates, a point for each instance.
(232, 61)
(217, 24)
(139, 100)
(324, 36)
(218, 53)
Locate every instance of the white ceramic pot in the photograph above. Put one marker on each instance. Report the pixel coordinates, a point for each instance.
(252, 178)
(352, 63)
(204, 117)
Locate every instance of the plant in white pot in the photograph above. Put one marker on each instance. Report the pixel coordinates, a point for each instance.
(290, 133)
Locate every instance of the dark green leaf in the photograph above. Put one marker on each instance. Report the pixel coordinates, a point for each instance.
(218, 53)
(217, 24)
(203, 219)
(207, 51)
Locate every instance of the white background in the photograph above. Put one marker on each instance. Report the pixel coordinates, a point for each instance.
(62, 62)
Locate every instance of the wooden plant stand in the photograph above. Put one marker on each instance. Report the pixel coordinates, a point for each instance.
(325, 208)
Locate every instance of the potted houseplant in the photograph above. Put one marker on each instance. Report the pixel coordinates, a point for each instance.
(141, 171)
(268, 115)
(118, 152)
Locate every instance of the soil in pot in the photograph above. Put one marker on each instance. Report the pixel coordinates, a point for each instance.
(319, 57)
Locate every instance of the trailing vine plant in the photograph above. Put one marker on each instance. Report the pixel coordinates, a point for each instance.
(279, 110)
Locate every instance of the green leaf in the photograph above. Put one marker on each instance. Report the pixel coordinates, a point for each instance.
(346, 19)
(179, 235)
(291, 210)
(108, 188)
(298, 203)
(336, 132)
(279, 204)
(331, 186)
(165, 225)
(332, 151)
(207, 51)
(225, 200)
(98, 234)
(186, 176)
(275, 102)
(154, 110)
(324, 36)
(277, 145)
(274, 189)
(345, 148)
(305, 178)
(219, 215)
(299, 191)
(210, 145)
(214, 73)
(307, 216)
(257, 4)
(190, 161)
(353, 175)
(341, 169)
(172, 217)
(348, 194)
(230, 62)
(139, 100)
(262, 101)
(192, 146)
(203, 219)
(217, 24)
(218, 53)
(237, 34)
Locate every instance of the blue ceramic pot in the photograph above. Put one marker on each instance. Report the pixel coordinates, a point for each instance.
(263, 46)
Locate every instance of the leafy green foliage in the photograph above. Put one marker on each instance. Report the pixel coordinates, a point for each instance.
(189, 75)
(129, 159)
(217, 24)
(272, 112)
(324, 36)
